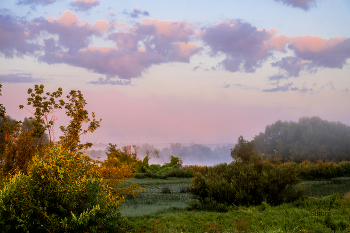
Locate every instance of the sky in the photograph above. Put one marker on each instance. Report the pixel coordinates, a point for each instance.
(180, 71)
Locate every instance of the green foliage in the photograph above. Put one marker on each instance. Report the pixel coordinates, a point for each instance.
(61, 193)
(243, 151)
(143, 166)
(120, 159)
(21, 141)
(17, 146)
(44, 105)
(172, 169)
(71, 133)
(59, 189)
(324, 170)
(310, 139)
(249, 180)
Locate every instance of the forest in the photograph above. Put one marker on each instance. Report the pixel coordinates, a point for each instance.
(298, 170)
(310, 139)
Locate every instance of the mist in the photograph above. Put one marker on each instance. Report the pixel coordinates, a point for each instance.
(189, 153)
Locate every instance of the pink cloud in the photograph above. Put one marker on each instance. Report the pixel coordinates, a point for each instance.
(111, 61)
(124, 64)
(155, 41)
(13, 37)
(305, 43)
(292, 66)
(138, 47)
(243, 44)
(171, 30)
(67, 18)
(101, 26)
(247, 48)
(314, 52)
(73, 34)
(184, 51)
(163, 42)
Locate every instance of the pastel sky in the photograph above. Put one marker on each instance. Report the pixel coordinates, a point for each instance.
(180, 71)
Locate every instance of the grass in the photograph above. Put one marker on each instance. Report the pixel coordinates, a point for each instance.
(328, 189)
(160, 195)
(150, 181)
(155, 211)
(307, 216)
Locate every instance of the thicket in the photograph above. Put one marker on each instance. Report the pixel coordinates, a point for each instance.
(54, 187)
(172, 169)
(311, 139)
(249, 180)
(323, 170)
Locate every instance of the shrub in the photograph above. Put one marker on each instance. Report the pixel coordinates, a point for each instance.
(248, 181)
(62, 192)
(324, 170)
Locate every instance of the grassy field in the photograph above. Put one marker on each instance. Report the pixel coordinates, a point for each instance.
(160, 194)
(162, 209)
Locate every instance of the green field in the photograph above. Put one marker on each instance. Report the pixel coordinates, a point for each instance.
(160, 194)
(162, 208)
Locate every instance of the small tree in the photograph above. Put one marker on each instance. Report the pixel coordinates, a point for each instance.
(243, 151)
(75, 110)
(44, 105)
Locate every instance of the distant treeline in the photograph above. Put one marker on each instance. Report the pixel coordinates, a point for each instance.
(310, 139)
(191, 154)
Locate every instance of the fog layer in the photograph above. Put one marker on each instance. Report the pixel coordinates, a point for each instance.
(190, 154)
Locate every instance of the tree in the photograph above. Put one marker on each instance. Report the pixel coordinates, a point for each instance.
(22, 141)
(310, 139)
(243, 151)
(75, 110)
(44, 106)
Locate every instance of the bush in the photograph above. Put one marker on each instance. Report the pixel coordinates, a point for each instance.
(62, 192)
(324, 170)
(249, 180)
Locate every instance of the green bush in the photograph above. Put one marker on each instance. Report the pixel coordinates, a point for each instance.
(60, 193)
(249, 180)
(324, 170)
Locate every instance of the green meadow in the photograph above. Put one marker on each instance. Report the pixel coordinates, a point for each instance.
(163, 207)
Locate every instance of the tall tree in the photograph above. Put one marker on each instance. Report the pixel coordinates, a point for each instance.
(308, 139)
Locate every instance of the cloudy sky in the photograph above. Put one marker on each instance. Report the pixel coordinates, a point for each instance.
(180, 71)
